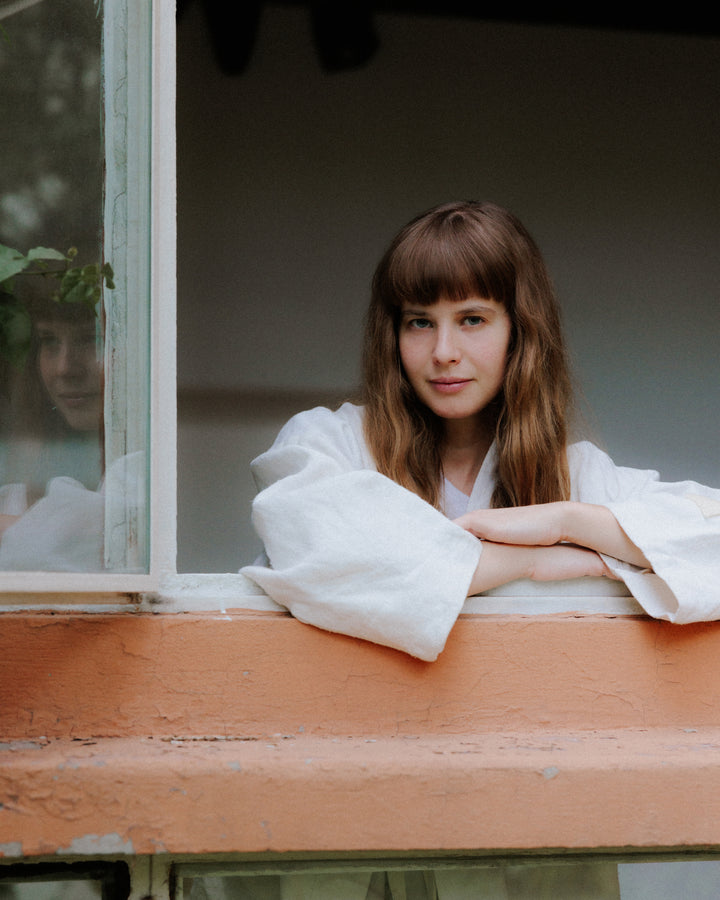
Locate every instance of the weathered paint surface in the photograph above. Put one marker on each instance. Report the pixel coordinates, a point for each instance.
(83, 676)
(282, 793)
(177, 734)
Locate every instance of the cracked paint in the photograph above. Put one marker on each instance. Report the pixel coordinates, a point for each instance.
(135, 743)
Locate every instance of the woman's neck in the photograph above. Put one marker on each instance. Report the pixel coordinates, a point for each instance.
(465, 446)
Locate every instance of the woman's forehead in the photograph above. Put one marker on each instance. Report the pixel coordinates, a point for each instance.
(63, 326)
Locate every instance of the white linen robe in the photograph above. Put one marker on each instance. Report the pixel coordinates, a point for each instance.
(351, 551)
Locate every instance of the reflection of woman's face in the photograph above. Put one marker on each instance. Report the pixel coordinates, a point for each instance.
(71, 372)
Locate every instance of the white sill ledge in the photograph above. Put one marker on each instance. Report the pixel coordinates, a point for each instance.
(219, 593)
(232, 591)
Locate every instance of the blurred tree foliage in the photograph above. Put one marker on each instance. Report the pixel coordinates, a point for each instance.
(51, 136)
(51, 147)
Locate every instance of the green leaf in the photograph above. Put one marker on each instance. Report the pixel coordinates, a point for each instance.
(12, 262)
(77, 290)
(90, 274)
(46, 253)
(108, 275)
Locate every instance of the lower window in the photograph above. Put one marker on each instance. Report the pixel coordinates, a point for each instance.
(437, 880)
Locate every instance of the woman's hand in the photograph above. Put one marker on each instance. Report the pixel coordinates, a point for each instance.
(547, 524)
(562, 562)
(6, 522)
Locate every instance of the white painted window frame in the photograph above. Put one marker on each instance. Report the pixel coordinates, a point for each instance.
(142, 251)
(162, 588)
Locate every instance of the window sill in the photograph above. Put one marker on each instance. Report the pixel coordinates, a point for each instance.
(513, 792)
(207, 733)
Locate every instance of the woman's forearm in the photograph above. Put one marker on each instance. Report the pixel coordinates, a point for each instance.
(502, 563)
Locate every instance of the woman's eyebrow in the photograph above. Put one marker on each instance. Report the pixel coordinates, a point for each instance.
(480, 306)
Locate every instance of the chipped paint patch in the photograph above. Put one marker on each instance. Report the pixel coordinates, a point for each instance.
(91, 844)
(551, 772)
(20, 745)
(13, 848)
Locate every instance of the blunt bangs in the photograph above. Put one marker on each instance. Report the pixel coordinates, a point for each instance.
(454, 256)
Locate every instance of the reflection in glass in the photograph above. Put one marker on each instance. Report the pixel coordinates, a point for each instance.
(83, 880)
(550, 881)
(501, 882)
(50, 508)
(52, 890)
(59, 486)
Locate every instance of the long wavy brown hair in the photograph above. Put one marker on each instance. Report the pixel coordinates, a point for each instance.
(455, 251)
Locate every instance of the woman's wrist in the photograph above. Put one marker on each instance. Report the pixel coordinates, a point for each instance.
(595, 527)
(499, 564)
(574, 521)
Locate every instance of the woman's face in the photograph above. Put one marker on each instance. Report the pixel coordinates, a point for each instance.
(71, 372)
(454, 353)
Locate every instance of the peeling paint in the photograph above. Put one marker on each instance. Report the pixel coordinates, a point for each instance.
(13, 848)
(21, 745)
(90, 844)
(551, 772)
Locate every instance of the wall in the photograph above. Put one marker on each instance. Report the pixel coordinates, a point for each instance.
(291, 182)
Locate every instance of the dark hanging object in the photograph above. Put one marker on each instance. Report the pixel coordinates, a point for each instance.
(344, 34)
(233, 28)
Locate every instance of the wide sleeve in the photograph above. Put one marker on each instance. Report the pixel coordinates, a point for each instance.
(13, 499)
(62, 532)
(676, 525)
(349, 550)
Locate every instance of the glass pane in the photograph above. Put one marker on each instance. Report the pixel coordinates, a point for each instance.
(555, 880)
(73, 322)
(89, 880)
(502, 882)
(52, 890)
(699, 879)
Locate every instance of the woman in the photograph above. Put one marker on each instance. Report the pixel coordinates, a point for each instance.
(52, 462)
(455, 476)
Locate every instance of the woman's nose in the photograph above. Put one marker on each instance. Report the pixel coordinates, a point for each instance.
(447, 349)
(71, 360)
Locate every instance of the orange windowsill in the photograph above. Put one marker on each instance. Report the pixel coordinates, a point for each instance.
(242, 733)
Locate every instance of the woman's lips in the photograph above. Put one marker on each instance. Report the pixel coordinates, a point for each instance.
(76, 399)
(449, 385)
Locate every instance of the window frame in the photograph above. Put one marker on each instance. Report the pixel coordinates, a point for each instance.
(147, 204)
(163, 587)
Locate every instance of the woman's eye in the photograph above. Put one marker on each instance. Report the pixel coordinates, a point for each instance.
(419, 323)
(87, 341)
(473, 320)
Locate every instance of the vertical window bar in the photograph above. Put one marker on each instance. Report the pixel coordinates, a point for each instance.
(127, 112)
